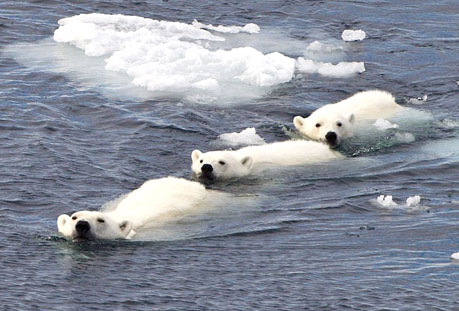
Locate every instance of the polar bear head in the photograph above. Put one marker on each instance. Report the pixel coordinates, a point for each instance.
(325, 126)
(91, 225)
(219, 164)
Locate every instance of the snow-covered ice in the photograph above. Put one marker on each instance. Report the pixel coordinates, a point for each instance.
(353, 35)
(170, 57)
(383, 124)
(248, 136)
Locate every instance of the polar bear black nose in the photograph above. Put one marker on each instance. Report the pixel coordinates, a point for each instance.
(331, 138)
(82, 226)
(207, 168)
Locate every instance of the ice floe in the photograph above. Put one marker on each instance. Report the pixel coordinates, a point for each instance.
(141, 58)
(455, 256)
(248, 136)
(353, 35)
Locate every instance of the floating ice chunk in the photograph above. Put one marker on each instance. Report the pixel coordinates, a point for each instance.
(405, 137)
(245, 137)
(319, 47)
(340, 70)
(413, 201)
(455, 256)
(249, 28)
(383, 124)
(353, 35)
(175, 58)
(386, 201)
(418, 101)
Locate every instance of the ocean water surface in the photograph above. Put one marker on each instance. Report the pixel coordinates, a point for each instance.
(93, 106)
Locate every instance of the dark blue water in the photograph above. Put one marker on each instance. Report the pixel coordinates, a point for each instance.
(313, 241)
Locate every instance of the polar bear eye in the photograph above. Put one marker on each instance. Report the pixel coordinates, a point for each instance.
(339, 124)
(100, 220)
(74, 218)
(201, 161)
(221, 162)
(317, 124)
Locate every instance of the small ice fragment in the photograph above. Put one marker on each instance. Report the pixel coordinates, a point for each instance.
(386, 201)
(382, 124)
(455, 256)
(353, 35)
(340, 70)
(413, 201)
(405, 137)
(245, 137)
(418, 101)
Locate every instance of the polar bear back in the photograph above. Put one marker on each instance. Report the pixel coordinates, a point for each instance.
(368, 105)
(288, 153)
(158, 197)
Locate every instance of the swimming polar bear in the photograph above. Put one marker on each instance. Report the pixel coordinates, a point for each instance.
(333, 122)
(225, 164)
(155, 199)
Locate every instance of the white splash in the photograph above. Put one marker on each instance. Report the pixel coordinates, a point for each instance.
(248, 136)
(413, 201)
(383, 124)
(418, 100)
(353, 35)
(340, 70)
(387, 201)
(249, 28)
(455, 256)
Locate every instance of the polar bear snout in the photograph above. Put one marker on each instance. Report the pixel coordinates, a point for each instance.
(332, 138)
(207, 171)
(82, 227)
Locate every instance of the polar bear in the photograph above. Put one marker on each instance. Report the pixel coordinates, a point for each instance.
(225, 164)
(333, 122)
(155, 201)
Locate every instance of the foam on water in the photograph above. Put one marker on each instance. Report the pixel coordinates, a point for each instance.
(248, 136)
(418, 100)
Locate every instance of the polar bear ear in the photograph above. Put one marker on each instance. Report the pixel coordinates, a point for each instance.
(125, 227)
(195, 155)
(299, 121)
(247, 162)
(351, 117)
(62, 220)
